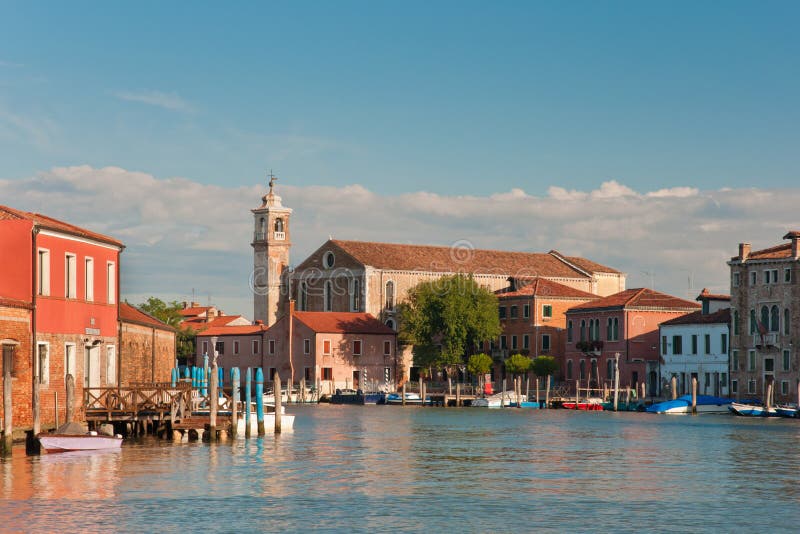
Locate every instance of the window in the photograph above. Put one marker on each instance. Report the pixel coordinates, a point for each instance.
(751, 360)
(271, 345)
(751, 386)
(503, 343)
(775, 319)
(723, 379)
(547, 311)
(526, 341)
(271, 374)
(514, 342)
(70, 278)
(387, 348)
(279, 225)
(390, 323)
(502, 312)
(723, 340)
(355, 295)
(569, 331)
(765, 317)
(88, 279)
(326, 347)
(526, 311)
(545, 341)
(752, 321)
(582, 367)
(205, 347)
(787, 275)
(43, 363)
(111, 365)
(786, 322)
(111, 283)
(254, 346)
(735, 323)
(734, 360)
(786, 360)
(357, 347)
(327, 373)
(307, 374)
(44, 272)
(736, 280)
(707, 343)
(583, 330)
(610, 369)
(220, 347)
(753, 278)
(784, 387)
(677, 345)
(514, 312)
(769, 365)
(306, 346)
(663, 345)
(734, 386)
(328, 296)
(303, 296)
(569, 369)
(707, 380)
(328, 260)
(236, 347)
(389, 295)
(616, 328)
(69, 360)
(694, 343)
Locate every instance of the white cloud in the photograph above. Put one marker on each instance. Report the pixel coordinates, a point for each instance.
(170, 101)
(183, 236)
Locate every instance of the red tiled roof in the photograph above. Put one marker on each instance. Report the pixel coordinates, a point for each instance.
(194, 312)
(448, 259)
(637, 299)
(706, 295)
(200, 323)
(131, 314)
(773, 253)
(244, 330)
(542, 287)
(342, 323)
(718, 317)
(43, 221)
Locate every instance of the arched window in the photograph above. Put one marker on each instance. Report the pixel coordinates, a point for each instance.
(569, 369)
(390, 323)
(786, 322)
(583, 330)
(735, 323)
(609, 329)
(775, 320)
(765, 317)
(594, 372)
(279, 225)
(569, 331)
(752, 321)
(616, 328)
(303, 296)
(328, 296)
(389, 295)
(355, 298)
(583, 369)
(262, 228)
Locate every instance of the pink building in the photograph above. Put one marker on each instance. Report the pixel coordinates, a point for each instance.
(624, 324)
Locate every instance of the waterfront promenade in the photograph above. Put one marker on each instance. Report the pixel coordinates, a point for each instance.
(434, 469)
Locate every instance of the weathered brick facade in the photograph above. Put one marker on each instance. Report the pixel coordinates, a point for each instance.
(147, 353)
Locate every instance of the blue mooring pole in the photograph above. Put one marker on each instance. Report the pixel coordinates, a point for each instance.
(248, 395)
(194, 377)
(260, 400)
(174, 377)
(235, 398)
(187, 372)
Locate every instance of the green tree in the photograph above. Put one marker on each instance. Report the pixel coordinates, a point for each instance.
(480, 364)
(445, 319)
(517, 364)
(544, 366)
(168, 313)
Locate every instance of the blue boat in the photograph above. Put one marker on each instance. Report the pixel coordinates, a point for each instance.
(705, 404)
(752, 410)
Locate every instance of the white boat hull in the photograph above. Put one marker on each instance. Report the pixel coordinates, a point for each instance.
(287, 423)
(499, 400)
(701, 408)
(63, 443)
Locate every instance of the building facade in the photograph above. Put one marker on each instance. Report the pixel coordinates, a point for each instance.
(765, 305)
(146, 347)
(60, 287)
(623, 327)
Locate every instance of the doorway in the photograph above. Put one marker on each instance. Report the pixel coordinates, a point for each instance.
(91, 370)
(356, 382)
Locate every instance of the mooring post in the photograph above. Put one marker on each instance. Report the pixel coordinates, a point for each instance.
(302, 393)
(449, 386)
(547, 394)
(8, 426)
(260, 400)
(277, 402)
(235, 402)
(458, 393)
(403, 399)
(213, 400)
(616, 382)
(769, 398)
(694, 394)
(503, 395)
(422, 394)
(673, 386)
(174, 377)
(248, 396)
(70, 402)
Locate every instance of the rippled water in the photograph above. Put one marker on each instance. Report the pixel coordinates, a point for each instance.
(379, 468)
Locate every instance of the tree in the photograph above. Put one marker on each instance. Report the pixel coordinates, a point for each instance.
(445, 319)
(544, 366)
(517, 364)
(168, 313)
(480, 364)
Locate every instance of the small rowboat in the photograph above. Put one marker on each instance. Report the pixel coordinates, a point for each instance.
(71, 437)
(592, 404)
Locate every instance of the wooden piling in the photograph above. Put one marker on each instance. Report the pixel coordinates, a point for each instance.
(694, 394)
(403, 399)
(537, 393)
(235, 396)
(422, 394)
(260, 401)
(449, 386)
(458, 393)
(277, 402)
(616, 382)
(644, 391)
(547, 393)
(503, 395)
(673, 386)
(517, 389)
(769, 397)
(8, 426)
(302, 392)
(248, 394)
(55, 402)
(213, 401)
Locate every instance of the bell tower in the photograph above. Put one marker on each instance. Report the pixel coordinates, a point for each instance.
(271, 244)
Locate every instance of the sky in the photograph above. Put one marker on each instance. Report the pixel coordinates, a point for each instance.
(651, 137)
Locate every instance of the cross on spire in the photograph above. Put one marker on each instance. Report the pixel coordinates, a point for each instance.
(272, 180)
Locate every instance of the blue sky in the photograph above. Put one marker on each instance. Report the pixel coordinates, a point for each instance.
(469, 97)
(422, 122)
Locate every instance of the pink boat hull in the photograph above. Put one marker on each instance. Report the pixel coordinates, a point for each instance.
(63, 443)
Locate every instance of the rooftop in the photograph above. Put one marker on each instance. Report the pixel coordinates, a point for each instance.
(132, 314)
(638, 298)
(342, 323)
(49, 223)
(718, 317)
(542, 287)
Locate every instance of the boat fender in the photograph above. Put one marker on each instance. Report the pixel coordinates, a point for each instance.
(92, 433)
(118, 436)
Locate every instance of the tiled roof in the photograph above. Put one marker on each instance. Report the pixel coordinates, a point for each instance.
(706, 295)
(200, 323)
(194, 312)
(718, 317)
(454, 259)
(773, 253)
(638, 298)
(342, 323)
(542, 287)
(244, 330)
(131, 314)
(589, 265)
(48, 223)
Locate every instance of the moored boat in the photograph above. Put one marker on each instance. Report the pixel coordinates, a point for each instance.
(592, 404)
(683, 405)
(397, 398)
(498, 400)
(752, 410)
(72, 437)
(787, 410)
(287, 421)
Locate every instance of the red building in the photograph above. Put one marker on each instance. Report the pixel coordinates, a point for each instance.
(624, 324)
(59, 287)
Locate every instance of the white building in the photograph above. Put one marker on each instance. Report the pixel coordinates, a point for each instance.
(697, 346)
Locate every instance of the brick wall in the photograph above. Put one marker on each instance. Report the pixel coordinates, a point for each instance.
(147, 354)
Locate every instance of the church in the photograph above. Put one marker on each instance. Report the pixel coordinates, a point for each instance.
(373, 278)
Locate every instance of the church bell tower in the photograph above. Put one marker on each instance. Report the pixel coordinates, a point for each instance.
(271, 243)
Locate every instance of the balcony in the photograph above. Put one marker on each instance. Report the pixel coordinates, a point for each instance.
(765, 340)
(279, 236)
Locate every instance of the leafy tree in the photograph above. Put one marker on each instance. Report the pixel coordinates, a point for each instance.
(544, 366)
(479, 364)
(168, 313)
(517, 364)
(445, 319)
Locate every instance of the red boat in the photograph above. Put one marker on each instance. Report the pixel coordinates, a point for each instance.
(589, 405)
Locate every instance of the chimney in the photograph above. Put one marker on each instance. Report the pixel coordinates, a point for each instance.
(744, 251)
(795, 237)
(195, 304)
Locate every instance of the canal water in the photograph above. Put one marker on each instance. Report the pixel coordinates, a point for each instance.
(374, 468)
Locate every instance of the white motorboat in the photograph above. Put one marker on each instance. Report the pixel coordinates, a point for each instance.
(498, 400)
(72, 437)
